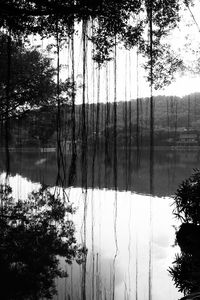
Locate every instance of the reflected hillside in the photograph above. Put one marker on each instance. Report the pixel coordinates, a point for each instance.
(170, 167)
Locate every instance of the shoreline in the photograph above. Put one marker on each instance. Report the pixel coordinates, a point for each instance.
(53, 149)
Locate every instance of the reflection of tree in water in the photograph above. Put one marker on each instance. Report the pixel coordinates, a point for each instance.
(33, 235)
(186, 269)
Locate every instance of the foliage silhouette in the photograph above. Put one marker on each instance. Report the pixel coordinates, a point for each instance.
(33, 235)
(187, 200)
(185, 271)
(31, 82)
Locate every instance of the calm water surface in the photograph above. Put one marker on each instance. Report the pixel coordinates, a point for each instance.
(128, 232)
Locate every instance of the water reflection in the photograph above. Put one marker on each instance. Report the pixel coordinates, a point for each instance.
(126, 230)
(34, 233)
(170, 168)
(97, 226)
(186, 267)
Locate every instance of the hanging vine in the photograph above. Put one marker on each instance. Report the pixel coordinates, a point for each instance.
(7, 120)
(61, 166)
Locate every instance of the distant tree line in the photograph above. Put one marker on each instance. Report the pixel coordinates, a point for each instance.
(173, 116)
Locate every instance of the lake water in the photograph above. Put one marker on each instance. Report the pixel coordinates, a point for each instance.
(124, 219)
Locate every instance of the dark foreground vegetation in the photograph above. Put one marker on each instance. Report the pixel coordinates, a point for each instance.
(185, 271)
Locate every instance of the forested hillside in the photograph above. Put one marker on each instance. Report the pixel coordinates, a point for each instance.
(173, 115)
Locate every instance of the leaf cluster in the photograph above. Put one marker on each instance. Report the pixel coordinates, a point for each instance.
(165, 65)
(185, 271)
(30, 77)
(187, 199)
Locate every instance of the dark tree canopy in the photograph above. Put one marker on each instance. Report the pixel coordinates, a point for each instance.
(187, 200)
(31, 79)
(113, 14)
(121, 21)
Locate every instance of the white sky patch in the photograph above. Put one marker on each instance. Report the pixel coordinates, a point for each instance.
(183, 86)
(21, 187)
